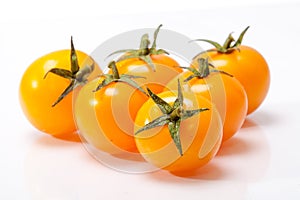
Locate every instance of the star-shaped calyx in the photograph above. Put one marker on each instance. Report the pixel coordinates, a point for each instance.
(228, 45)
(116, 77)
(77, 76)
(172, 116)
(202, 70)
(144, 52)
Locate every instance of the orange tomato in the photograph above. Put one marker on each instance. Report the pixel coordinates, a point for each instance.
(154, 64)
(37, 94)
(200, 135)
(105, 118)
(247, 65)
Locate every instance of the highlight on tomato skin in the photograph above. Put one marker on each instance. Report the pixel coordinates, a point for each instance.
(166, 69)
(46, 97)
(200, 135)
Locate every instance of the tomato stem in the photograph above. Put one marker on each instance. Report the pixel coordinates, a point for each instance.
(176, 113)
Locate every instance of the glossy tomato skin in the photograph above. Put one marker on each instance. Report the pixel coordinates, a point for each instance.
(37, 94)
(225, 92)
(105, 118)
(200, 135)
(250, 68)
(166, 68)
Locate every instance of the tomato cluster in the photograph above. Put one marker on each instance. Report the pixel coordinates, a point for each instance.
(175, 117)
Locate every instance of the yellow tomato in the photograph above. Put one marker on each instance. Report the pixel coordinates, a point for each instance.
(245, 63)
(37, 94)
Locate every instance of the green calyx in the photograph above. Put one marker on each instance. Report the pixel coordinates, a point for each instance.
(144, 52)
(229, 45)
(203, 70)
(77, 76)
(116, 77)
(172, 116)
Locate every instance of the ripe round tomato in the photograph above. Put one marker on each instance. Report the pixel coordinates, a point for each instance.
(105, 118)
(38, 93)
(200, 135)
(224, 91)
(166, 68)
(154, 64)
(246, 64)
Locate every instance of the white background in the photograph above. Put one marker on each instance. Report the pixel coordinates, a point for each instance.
(261, 162)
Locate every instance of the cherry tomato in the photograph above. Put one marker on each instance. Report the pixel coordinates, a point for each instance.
(224, 91)
(200, 135)
(154, 64)
(246, 64)
(105, 118)
(38, 93)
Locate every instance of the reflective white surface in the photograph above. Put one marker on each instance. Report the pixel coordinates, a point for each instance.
(261, 162)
